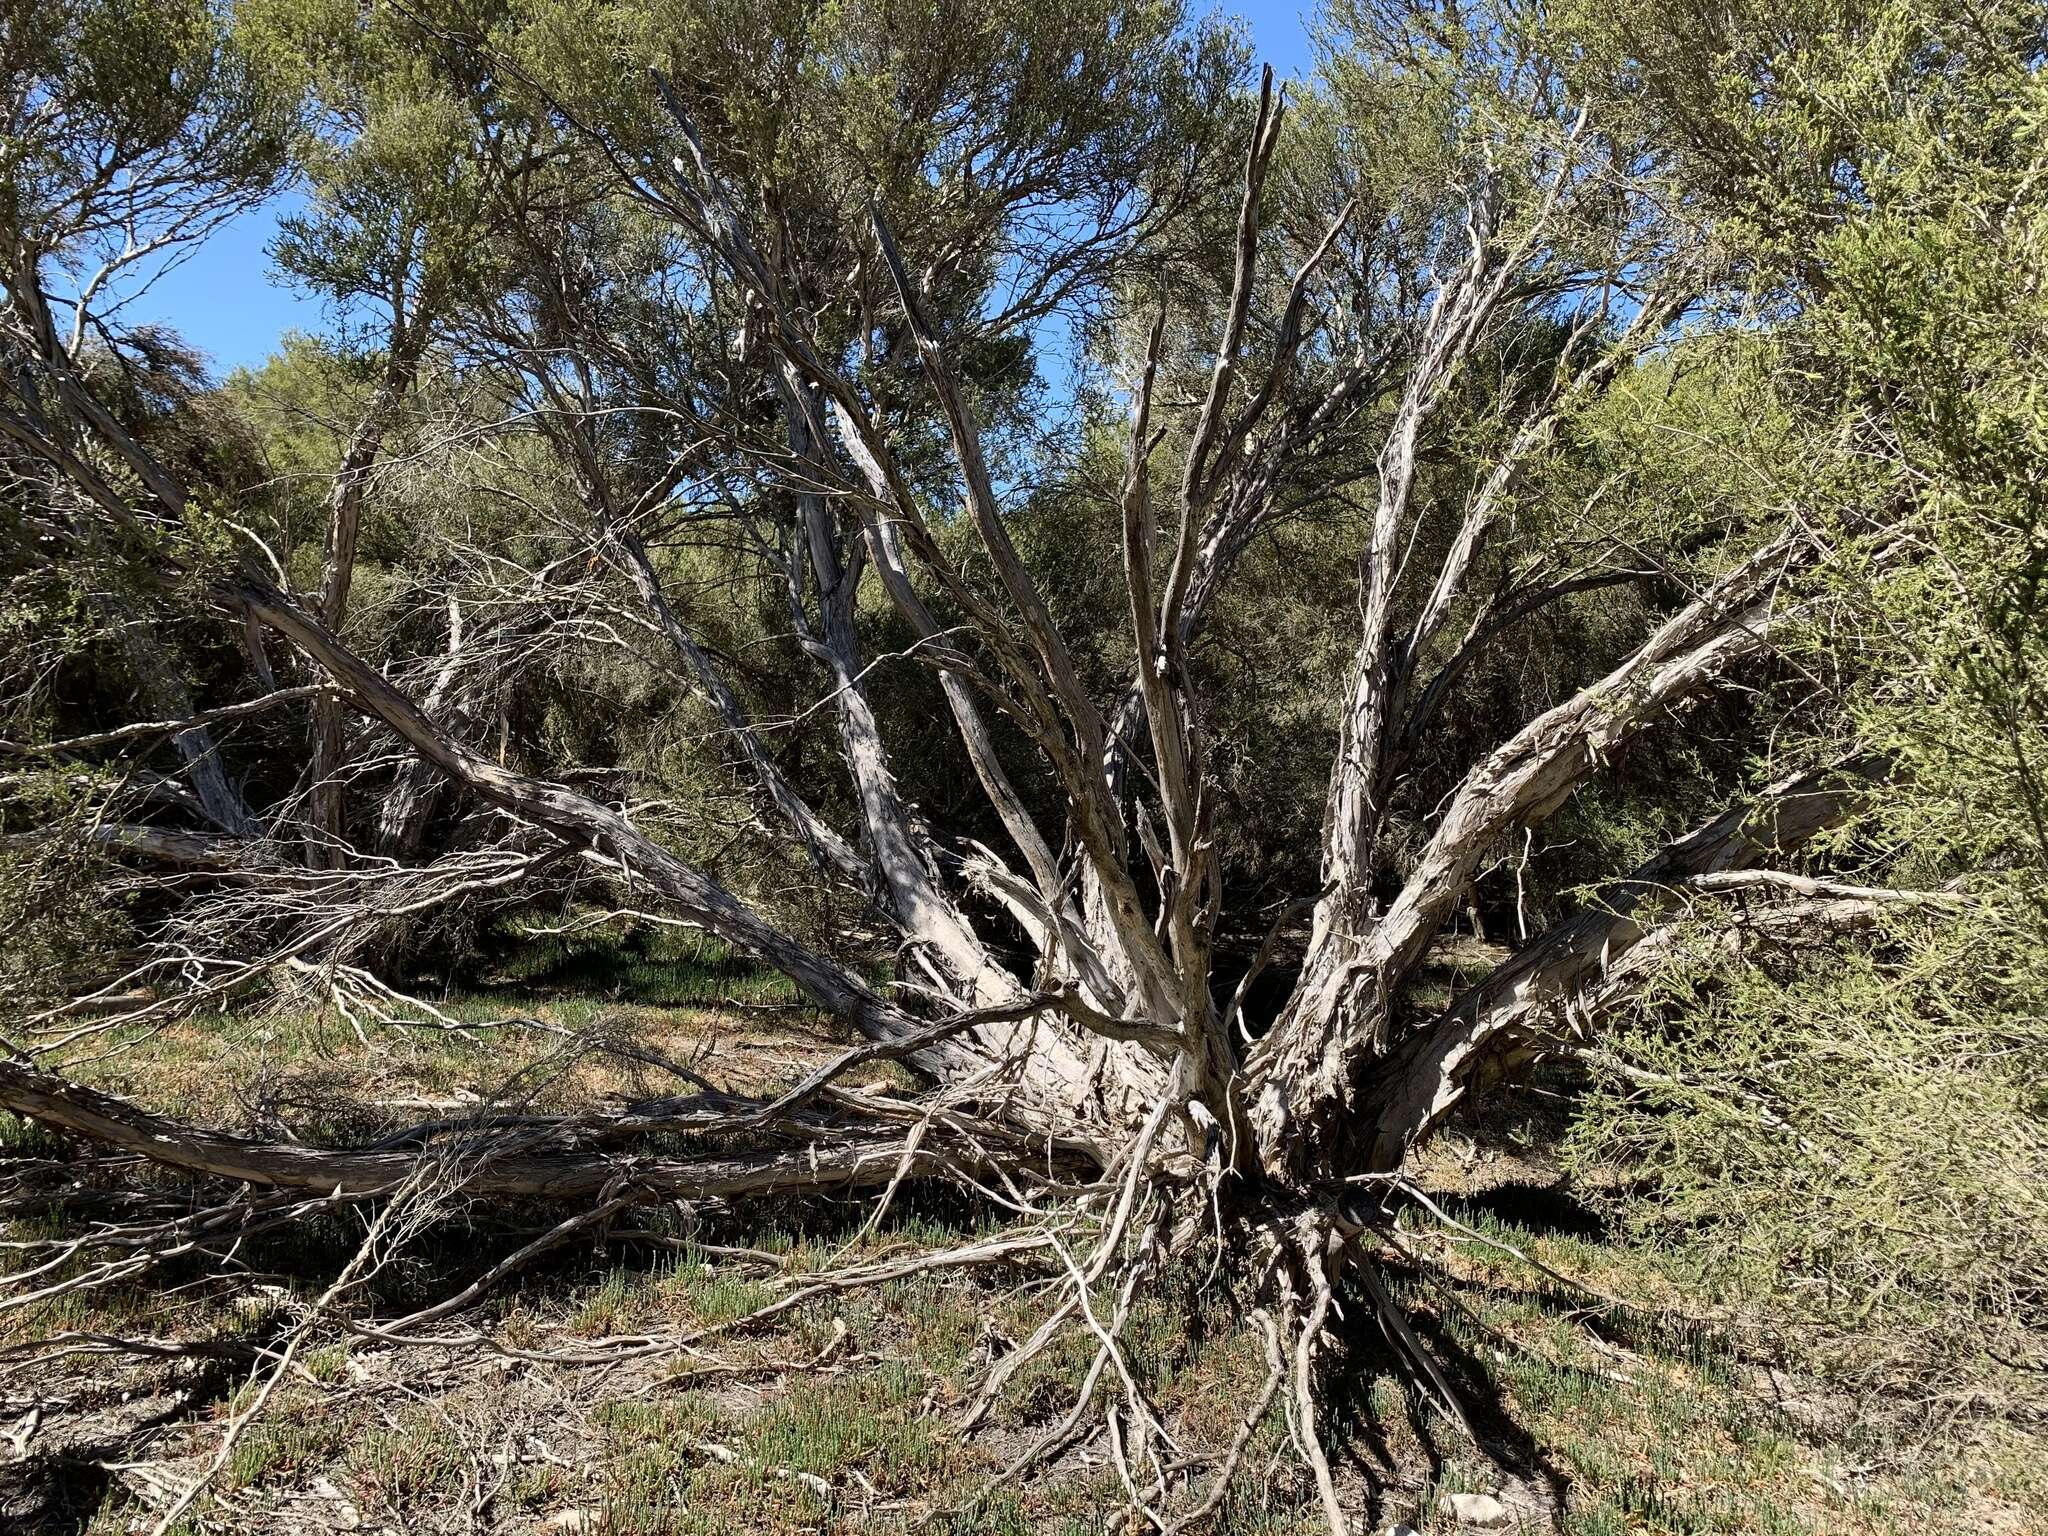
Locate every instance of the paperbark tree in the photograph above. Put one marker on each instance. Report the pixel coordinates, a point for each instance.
(1108, 1060)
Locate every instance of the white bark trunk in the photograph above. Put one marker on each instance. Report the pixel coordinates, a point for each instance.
(1309, 1068)
(1559, 983)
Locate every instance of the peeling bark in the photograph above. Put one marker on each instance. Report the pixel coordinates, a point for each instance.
(1559, 982)
(1329, 1038)
(483, 1170)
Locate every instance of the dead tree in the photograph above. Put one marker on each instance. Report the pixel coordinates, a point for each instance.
(1108, 1074)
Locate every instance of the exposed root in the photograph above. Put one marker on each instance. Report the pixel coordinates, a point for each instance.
(1088, 1238)
(1407, 1346)
(1226, 1470)
(1316, 1252)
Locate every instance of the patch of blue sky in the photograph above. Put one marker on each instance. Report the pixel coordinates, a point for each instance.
(227, 299)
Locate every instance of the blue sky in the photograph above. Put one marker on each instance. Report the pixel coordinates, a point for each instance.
(225, 299)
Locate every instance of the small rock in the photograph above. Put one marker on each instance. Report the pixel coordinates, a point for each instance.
(1402, 1530)
(345, 1514)
(1480, 1509)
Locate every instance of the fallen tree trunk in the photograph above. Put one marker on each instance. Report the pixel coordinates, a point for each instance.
(499, 1163)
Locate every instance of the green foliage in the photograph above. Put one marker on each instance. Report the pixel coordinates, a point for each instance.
(419, 1458)
(62, 920)
(404, 182)
(1855, 1136)
(156, 94)
(1857, 1131)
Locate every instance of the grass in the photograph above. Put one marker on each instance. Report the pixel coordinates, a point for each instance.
(868, 1423)
(278, 1451)
(413, 1461)
(653, 965)
(840, 1415)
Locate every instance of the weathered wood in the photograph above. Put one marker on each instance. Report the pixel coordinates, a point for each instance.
(1560, 980)
(327, 837)
(581, 822)
(488, 1168)
(1308, 1069)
